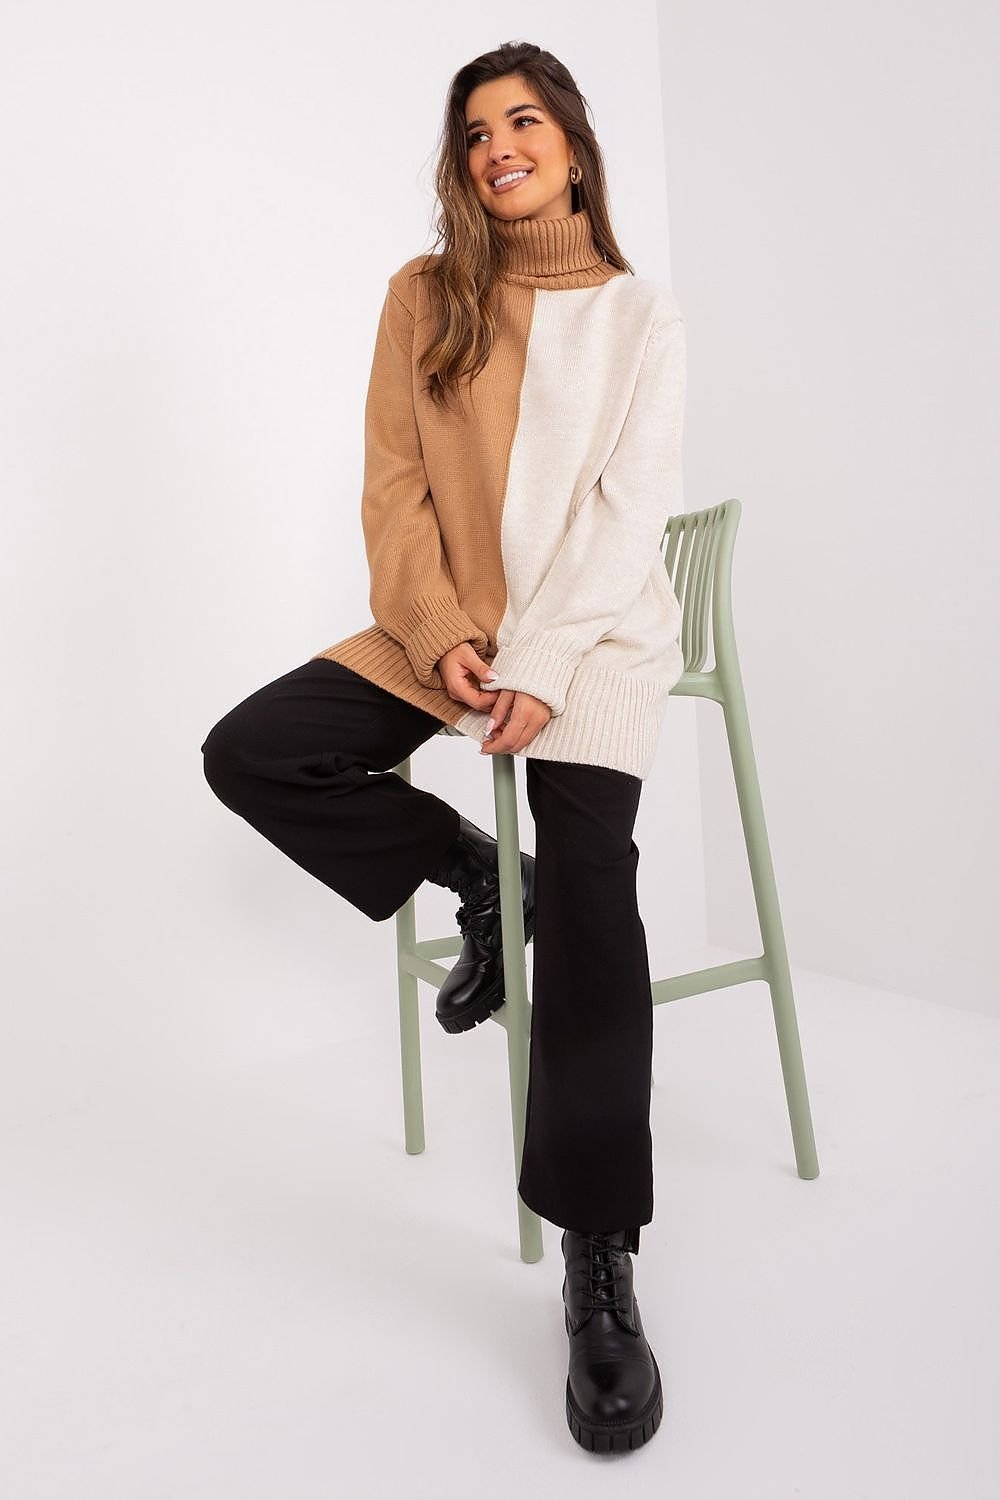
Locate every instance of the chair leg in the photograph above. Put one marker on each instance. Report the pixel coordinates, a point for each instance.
(769, 916)
(516, 1010)
(409, 1021)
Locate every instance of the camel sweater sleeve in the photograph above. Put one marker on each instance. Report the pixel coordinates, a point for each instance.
(412, 593)
(613, 542)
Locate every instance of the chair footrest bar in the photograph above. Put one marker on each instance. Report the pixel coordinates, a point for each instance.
(443, 947)
(423, 968)
(741, 971)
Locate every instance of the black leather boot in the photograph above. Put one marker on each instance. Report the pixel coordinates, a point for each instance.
(474, 988)
(614, 1398)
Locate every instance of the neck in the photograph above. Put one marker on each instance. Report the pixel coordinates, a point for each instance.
(539, 250)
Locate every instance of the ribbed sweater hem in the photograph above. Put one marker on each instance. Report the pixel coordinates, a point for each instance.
(613, 719)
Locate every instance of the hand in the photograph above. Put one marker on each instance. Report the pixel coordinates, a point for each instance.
(462, 670)
(527, 716)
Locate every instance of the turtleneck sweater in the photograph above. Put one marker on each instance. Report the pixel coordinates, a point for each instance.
(529, 517)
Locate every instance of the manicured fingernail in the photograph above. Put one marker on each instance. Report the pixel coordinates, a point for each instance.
(492, 676)
(489, 724)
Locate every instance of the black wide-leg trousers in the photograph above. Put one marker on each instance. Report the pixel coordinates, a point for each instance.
(308, 762)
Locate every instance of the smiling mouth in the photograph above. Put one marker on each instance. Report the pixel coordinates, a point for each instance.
(506, 181)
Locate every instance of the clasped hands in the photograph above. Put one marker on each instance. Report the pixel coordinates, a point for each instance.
(519, 715)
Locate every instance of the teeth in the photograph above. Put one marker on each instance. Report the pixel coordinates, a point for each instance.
(508, 177)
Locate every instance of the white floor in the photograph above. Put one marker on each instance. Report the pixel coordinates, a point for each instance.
(241, 1286)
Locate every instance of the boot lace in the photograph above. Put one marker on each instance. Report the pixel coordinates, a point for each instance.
(479, 920)
(605, 1286)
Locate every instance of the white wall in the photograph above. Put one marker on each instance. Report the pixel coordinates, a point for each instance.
(203, 203)
(832, 177)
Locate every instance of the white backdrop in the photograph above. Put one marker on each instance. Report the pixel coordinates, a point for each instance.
(835, 247)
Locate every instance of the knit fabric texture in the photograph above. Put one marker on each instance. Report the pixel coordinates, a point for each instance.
(529, 518)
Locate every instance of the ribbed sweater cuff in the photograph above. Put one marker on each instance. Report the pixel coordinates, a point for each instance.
(434, 624)
(536, 663)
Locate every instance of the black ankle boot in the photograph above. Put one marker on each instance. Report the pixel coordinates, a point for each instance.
(474, 988)
(614, 1398)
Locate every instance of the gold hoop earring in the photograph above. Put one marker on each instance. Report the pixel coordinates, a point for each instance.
(575, 173)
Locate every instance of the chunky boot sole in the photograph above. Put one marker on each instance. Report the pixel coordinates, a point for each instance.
(616, 1437)
(491, 999)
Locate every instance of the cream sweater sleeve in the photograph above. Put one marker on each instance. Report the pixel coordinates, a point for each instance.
(412, 594)
(612, 544)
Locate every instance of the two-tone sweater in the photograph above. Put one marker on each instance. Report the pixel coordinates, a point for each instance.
(529, 518)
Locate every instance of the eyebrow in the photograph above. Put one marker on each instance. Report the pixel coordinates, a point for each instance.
(507, 114)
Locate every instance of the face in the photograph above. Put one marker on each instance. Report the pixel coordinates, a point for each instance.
(506, 129)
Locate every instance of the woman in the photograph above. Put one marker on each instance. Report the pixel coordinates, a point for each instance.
(522, 457)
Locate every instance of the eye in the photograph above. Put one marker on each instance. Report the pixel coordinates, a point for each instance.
(520, 119)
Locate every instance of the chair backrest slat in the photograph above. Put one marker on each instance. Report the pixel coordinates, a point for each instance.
(696, 546)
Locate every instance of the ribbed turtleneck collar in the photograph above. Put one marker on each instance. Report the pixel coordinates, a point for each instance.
(540, 249)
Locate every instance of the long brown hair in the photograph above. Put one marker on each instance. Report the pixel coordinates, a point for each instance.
(464, 274)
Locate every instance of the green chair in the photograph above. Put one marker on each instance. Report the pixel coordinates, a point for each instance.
(698, 557)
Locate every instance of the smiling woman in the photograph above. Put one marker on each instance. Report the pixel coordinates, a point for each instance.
(522, 458)
(537, 146)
